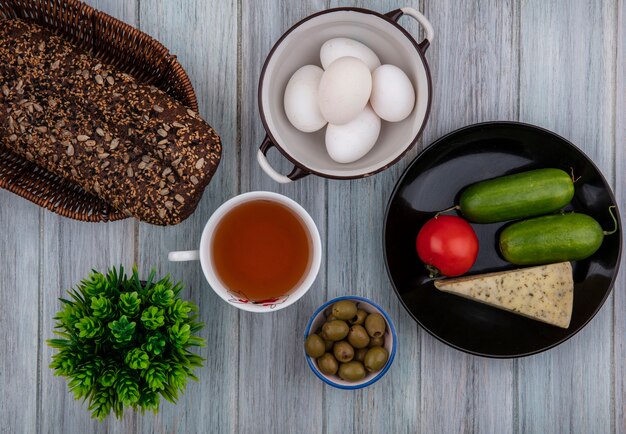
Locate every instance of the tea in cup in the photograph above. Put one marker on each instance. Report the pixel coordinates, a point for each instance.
(260, 251)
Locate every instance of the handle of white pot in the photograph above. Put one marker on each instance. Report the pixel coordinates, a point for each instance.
(185, 255)
(295, 174)
(269, 170)
(429, 33)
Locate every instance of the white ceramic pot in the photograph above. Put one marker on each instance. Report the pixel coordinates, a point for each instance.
(300, 46)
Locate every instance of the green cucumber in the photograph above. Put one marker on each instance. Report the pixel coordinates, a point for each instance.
(552, 238)
(512, 197)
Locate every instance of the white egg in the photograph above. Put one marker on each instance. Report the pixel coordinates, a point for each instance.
(344, 90)
(350, 142)
(301, 99)
(335, 48)
(392, 96)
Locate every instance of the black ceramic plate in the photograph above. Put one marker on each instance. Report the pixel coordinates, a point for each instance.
(433, 181)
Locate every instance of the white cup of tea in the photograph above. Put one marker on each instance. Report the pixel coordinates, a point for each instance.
(259, 251)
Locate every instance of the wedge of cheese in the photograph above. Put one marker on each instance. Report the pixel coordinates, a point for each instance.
(544, 293)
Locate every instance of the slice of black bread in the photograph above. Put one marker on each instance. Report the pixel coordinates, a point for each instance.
(128, 143)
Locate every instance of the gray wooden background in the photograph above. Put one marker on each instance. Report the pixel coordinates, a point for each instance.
(557, 64)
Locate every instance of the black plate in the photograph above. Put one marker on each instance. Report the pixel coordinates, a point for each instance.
(433, 181)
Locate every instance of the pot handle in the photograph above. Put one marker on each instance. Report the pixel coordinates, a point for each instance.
(295, 174)
(417, 15)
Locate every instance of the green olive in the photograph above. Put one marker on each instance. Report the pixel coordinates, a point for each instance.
(375, 359)
(344, 309)
(328, 344)
(359, 318)
(327, 364)
(343, 351)
(352, 371)
(377, 342)
(359, 355)
(358, 337)
(375, 325)
(314, 346)
(331, 317)
(335, 330)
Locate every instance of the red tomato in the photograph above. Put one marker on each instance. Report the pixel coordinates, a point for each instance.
(449, 244)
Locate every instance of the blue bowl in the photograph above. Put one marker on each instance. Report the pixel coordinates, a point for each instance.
(319, 317)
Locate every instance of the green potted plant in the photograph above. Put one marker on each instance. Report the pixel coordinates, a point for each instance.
(124, 342)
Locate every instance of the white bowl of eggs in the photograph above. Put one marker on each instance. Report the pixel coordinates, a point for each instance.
(344, 93)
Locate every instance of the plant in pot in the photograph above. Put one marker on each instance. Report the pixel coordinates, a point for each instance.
(124, 342)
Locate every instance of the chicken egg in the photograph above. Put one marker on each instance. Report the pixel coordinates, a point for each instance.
(350, 142)
(393, 96)
(335, 48)
(301, 99)
(344, 90)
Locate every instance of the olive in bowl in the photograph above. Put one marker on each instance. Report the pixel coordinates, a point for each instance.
(357, 345)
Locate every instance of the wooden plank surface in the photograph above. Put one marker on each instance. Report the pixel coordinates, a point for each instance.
(618, 374)
(475, 67)
(70, 250)
(204, 38)
(19, 318)
(560, 80)
(560, 64)
(276, 389)
(355, 266)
